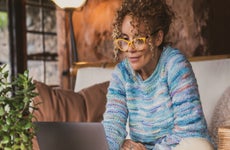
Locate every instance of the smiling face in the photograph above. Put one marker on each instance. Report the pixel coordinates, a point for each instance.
(141, 61)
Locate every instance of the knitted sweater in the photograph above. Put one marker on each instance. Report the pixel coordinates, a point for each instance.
(161, 110)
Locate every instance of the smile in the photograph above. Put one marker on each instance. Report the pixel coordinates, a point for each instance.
(134, 59)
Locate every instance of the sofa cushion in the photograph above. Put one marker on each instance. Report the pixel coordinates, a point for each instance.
(213, 78)
(85, 79)
(66, 105)
(95, 101)
(58, 105)
(221, 115)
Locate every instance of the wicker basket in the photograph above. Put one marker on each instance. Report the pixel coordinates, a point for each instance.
(224, 138)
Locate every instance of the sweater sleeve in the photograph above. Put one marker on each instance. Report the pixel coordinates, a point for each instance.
(115, 116)
(189, 119)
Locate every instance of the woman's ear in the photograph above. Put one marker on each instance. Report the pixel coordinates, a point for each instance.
(159, 38)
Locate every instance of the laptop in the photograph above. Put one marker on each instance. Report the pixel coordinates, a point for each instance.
(70, 136)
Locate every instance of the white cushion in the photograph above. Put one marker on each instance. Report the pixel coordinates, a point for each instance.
(91, 75)
(213, 77)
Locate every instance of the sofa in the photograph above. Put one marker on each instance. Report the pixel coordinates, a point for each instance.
(86, 103)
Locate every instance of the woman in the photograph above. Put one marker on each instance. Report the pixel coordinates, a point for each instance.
(153, 88)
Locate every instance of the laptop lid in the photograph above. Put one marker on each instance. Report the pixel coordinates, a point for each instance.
(71, 136)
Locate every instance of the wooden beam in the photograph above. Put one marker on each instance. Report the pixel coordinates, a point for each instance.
(17, 36)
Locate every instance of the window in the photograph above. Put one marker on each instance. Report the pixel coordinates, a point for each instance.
(4, 34)
(42, 41)
(28, 38)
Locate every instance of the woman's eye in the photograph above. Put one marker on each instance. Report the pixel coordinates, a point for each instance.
(125, 38)
(139, 41)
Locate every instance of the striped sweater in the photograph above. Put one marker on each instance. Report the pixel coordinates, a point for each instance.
(161, 110)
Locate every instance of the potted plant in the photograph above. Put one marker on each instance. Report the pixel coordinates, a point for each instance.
(16, 127)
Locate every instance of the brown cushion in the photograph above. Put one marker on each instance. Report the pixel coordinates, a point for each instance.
(58, 104)
(66, 105)
(95, 100)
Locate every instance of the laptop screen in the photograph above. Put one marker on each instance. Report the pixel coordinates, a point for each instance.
(71, 136)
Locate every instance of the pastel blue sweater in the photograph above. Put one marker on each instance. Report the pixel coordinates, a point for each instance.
(162, 109)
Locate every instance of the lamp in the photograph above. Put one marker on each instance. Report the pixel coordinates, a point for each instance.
(70, 6)
(69, 3)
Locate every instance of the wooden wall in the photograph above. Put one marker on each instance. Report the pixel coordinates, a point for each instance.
(93, 26)
(219, 27)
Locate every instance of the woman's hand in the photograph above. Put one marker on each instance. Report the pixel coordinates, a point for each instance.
(131, 145)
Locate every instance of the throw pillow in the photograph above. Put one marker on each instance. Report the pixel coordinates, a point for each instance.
(58, 104)
(67, 105)
(221, 115)
(95, 101)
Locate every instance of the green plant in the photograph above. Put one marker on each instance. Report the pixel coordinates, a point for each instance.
(16, 127)
(3, 20)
